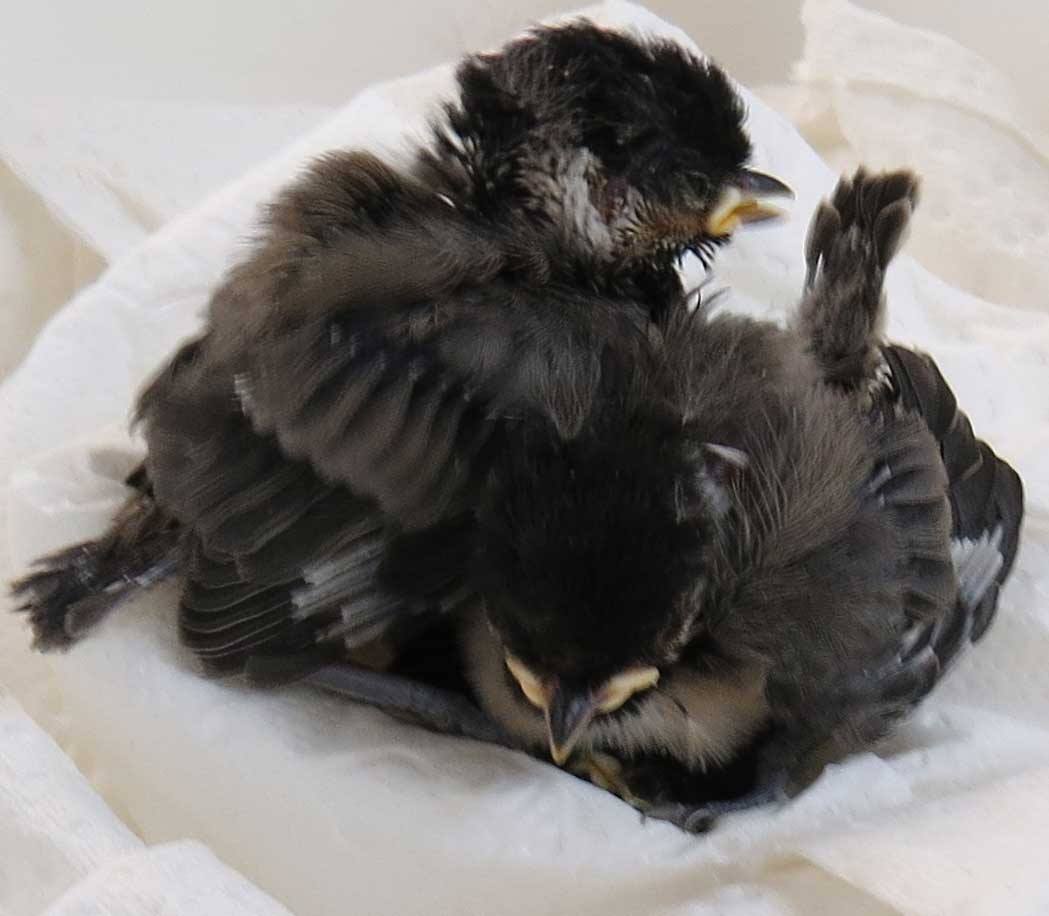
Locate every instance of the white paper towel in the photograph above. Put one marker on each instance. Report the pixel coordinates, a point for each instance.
(176, 879)
(63, 852)
(85, 180)
(905, 96)
(334, 808)
(54, 829)
(116, 170)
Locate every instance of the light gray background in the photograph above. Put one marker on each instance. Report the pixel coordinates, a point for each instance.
(324, 50)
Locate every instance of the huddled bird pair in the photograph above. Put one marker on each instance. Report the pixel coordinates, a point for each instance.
(455, 441)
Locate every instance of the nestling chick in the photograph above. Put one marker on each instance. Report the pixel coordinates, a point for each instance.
(358, 369)
(760, 541)
(633, 152)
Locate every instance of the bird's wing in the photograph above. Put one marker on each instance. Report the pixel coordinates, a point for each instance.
(850, 697)
(909, 484)
(986, 494)
(323, 441)
(391, 419)
(283, 570)
(381, 335)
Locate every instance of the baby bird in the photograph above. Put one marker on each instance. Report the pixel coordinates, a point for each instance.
(761, 544)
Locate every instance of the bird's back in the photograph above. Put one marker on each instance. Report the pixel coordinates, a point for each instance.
(821, 540)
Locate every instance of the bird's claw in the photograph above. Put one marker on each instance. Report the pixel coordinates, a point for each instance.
(867, 214)
(421, 704)
(702, 817)
(608, 773)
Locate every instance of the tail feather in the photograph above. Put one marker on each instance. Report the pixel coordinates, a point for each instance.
(71, 590)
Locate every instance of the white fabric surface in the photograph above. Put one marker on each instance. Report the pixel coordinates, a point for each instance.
(55, 828)
(117, 170)
(63, 852)
(332, 808)
(175, 879)
(85, 180)
(911, 96)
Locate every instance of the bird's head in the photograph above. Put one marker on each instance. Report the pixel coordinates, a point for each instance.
(626, 150)
(593, 563)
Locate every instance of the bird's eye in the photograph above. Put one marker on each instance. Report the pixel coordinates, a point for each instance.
(532, 686)
(621, 687)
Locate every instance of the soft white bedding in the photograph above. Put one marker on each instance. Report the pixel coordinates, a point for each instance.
(336, 809)
(63, 852)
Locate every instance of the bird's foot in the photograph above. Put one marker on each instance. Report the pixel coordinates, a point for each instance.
(860, 227)
(851, 240)
(699, 818)
(421, 704)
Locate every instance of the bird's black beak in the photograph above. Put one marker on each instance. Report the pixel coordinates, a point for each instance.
(743, 201)
(569, 706)
(568, 712)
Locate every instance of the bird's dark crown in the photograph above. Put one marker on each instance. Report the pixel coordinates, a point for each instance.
(593, 548)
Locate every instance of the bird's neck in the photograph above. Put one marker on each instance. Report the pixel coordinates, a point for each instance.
(539, 250)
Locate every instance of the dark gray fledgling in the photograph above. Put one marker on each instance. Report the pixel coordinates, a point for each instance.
(314, 457)
(763, 544)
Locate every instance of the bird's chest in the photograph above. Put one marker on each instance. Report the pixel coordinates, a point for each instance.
(696, 719)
